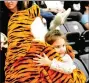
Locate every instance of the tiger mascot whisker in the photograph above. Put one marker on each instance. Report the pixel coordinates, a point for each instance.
(22, 48)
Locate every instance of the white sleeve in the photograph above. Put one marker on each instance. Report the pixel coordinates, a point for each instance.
(48, 4)
(54, 4)
(63, 67)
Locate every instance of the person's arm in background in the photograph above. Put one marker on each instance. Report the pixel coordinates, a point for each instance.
(87, 25)
(85, 21)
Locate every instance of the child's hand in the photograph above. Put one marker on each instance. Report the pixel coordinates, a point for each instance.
(42, 61)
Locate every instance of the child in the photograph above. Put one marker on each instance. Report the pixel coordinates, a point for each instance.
(58, 41)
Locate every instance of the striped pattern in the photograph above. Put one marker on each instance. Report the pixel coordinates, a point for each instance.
(19, 65)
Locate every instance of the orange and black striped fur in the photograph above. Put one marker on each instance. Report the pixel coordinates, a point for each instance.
(19, 65)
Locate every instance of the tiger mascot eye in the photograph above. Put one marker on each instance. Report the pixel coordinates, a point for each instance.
(22, 48)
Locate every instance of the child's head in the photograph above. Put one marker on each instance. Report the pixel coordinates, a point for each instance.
(58, 40)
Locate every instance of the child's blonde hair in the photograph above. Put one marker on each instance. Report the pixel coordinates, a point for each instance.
(52, 36)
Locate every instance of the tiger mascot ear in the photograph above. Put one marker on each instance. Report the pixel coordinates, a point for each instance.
(59, 19)
(38, 29)
(70, 51)
(3, 41)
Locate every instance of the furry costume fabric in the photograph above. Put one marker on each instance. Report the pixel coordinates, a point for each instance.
(22, 48)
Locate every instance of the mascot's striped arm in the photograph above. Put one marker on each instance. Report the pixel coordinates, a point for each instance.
(19, 36)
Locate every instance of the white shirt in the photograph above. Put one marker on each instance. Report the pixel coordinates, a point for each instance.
(67, 66)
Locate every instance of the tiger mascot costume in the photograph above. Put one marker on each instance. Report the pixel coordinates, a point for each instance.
(22, 48)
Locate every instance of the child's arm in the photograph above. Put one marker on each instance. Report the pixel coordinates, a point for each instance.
(64, 67)
(42, 61)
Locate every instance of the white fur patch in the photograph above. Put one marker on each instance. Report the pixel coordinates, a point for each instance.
(38, 29)
(3, 40)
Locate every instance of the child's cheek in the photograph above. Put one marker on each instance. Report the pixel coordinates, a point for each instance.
(62, 50)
